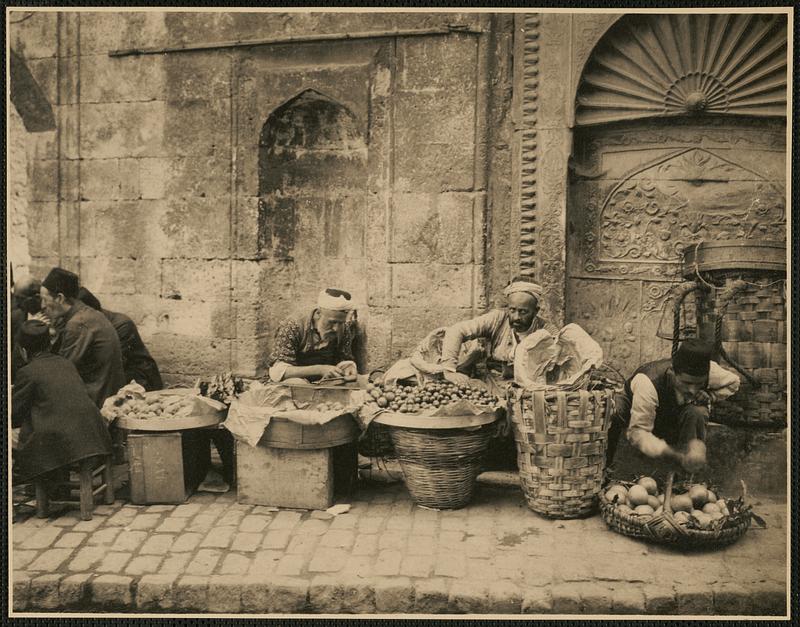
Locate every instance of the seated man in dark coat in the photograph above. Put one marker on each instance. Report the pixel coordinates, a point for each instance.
(86, 337)
(139, 366)
(58, 421)
(26, 301)
(664, 407)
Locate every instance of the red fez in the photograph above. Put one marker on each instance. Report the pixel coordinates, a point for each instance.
(693, 357)
(62, 281)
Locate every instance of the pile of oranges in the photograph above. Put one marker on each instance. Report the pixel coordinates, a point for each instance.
(698, 507)
(411, 399)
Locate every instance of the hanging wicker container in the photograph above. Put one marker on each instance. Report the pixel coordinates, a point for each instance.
(561, 448)
(441, 465)
(664, 529)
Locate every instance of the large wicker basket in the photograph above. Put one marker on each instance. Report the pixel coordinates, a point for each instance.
(663, 529)
(441, 465)
(561, 448)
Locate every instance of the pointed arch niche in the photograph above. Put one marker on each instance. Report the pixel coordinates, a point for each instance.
(680, 136)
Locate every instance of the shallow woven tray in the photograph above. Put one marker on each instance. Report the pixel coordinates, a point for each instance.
(663, 529)
(440, 466)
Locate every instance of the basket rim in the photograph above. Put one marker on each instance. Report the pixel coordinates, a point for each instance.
(709, 537)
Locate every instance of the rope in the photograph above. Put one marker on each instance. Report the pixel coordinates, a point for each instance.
(724, 300)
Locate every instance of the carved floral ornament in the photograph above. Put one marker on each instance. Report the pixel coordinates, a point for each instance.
(668, 65)
(646, 220)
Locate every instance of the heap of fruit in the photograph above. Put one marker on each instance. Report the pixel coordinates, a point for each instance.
(222, 387)
(151, 407)
(696, 508)
(411, 399)
(326, 407)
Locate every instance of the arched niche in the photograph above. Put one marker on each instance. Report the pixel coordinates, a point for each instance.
(679, 137)
(312, 198)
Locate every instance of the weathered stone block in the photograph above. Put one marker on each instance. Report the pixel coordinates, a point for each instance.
(21, 590)
(411, 324)
(429, 167)
(537, 601)
(627, 599)
(120, 229)
(42, 230)
(122, 130)
(394, 595)
(122, 79)
(187, 355)
(769, 598)
(660, 600)
(44, 180)
(73, 591)
(103, 31)
(468, 597)
(250, 356)
(44, 591)
(154, 177)
(198, 176)
(183, 117)
(121, 283)
(195, 318)
(191, 593)
(436, 118)
(504, 597)
(197, 226)
(224, 594)
(435, 63)
(337, 595)
(432, 228)
(413, 285)
(112, 591)
(431, 596)
(694, 600)
(100, 179)
(155, 592)
(196, 280)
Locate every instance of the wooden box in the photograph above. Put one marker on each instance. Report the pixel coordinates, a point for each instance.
(308, 478)
(167, 466)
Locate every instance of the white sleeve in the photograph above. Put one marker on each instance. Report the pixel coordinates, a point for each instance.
(278, 370)
(722, 383)
(643, 417)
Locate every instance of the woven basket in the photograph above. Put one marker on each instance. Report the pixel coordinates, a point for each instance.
(376, 441)
(663, 529)
(753, 334)
(561, 448)
(441, 465)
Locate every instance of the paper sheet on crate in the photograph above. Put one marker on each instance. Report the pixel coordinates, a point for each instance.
(250, 414)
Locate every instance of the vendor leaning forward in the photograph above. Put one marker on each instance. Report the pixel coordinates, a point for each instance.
(665, 404)
(503, 329)
(315, 345)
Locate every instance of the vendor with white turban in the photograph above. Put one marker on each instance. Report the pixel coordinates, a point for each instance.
(503, 329)
(318, 345)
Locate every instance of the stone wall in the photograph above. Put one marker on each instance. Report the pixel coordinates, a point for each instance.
(166, 187)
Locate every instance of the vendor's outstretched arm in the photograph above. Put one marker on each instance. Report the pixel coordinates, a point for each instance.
(281, 370)
(721, 383)
(643, 416)
(455, 335)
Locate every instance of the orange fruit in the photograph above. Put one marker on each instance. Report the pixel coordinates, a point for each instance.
(710, 508)
(681, 503)
(653, 502)
(649, 484)
(644, 510)
(681, 517)
(638, 495)
(699, 495)
(712, 498)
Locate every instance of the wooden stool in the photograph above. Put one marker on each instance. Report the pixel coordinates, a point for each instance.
(87, 470)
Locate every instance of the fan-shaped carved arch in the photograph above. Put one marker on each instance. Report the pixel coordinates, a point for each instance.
(667, 65)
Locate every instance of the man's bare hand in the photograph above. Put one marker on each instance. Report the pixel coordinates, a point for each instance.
(329, 372)
(695, 457)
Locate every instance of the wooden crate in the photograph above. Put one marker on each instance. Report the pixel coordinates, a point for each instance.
(167, 466)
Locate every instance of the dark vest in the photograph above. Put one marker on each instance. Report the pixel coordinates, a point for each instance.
(668, 408)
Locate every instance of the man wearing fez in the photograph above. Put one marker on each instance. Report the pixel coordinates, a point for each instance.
(316, 345)
(55, 421)
(665, 405)
(87, 338)
(139, 366)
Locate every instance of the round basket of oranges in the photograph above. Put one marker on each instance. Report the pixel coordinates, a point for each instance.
(686, 515)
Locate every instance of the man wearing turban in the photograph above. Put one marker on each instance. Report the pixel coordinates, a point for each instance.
(664, 405)
(87, 338)
(318, 344)
(502, 329)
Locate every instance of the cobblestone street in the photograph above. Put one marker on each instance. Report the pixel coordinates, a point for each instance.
(384, 556)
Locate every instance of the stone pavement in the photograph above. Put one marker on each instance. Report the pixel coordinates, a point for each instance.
(385, 556)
